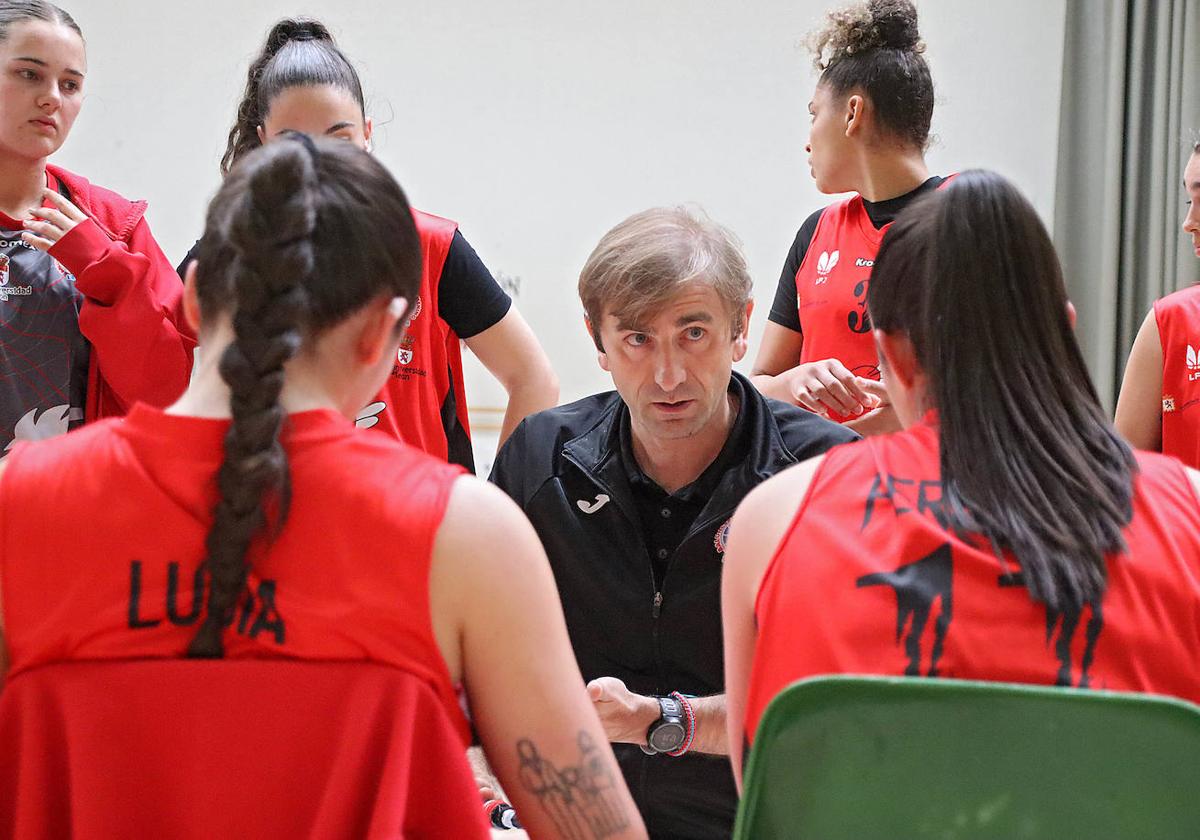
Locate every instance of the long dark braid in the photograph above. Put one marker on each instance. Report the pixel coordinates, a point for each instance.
(303, 234)
(273, 239)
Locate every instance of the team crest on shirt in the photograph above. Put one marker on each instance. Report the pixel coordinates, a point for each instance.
(8, 289)
(825, 264)
(721, 537)
(1193, 364)
(405, 354)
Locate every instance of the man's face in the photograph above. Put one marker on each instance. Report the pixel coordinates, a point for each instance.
(673, 370)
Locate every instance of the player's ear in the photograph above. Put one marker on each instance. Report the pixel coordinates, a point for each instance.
(601, 356)
(191, 298)
(379, 332)
(741, 341)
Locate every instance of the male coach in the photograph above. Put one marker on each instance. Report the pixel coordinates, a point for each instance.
(631, 493)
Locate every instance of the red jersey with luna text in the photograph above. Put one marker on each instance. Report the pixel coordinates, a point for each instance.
(870, 582)
(346, 579)
(423, 402)
(1178, 318)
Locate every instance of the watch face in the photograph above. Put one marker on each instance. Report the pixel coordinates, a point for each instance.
(667, 736)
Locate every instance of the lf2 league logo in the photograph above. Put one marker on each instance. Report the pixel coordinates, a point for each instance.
(825, 264)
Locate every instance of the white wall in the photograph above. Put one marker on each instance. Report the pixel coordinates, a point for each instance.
(538, 124)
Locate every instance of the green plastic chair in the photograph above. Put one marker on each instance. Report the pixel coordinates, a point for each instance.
(875, 757)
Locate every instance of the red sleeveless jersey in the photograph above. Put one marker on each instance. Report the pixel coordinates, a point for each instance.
(868, 581)
(423, 402)
(1178, 318)
(831, 288)
(122, 507)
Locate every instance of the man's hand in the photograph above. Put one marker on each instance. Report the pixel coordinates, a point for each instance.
(624, 715)
(50, 224)
(828, 386)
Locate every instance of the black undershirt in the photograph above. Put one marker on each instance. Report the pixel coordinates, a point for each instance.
(783, 309)
(469, 298)
(667, 518)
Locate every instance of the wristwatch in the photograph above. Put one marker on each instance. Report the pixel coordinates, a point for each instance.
(669, 731)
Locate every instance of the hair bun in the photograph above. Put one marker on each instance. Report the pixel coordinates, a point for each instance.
(296, 29)
(868, 26)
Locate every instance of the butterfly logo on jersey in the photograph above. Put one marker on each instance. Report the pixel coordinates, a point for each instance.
(825, 264)
(369, 416)
(1193, 364)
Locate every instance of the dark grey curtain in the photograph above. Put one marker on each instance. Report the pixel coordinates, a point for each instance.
(1130, 115)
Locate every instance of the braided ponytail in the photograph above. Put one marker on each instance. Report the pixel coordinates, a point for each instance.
(271, 235)
(303, 234)
(298, 52)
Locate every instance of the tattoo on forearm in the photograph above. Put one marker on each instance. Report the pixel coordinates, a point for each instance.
(582, 799)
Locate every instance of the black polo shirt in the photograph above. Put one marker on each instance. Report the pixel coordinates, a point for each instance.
(667, 518)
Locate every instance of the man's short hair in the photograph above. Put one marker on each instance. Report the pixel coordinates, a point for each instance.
(647, 259)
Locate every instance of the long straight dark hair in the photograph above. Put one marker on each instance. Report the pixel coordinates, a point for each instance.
(302, 234)
(1029, 458)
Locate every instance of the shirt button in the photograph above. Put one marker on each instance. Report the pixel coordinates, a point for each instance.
(666, 512)
(663, 554)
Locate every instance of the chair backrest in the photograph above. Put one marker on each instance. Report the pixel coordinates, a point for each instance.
(855, 757)
(231, 748)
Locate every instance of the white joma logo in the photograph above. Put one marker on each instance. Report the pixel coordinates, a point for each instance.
(592, 507)
(825, 264)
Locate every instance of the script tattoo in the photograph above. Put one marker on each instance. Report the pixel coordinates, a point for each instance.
(581, 800)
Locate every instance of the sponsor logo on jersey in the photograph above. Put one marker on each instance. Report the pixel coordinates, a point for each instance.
(591, 507)
(1193, 364)
(1168, 405)
(6, 290)
(825, 264)
(51, 422)
(861, 263)
(369, 416)
(416, 310)
(721, 537)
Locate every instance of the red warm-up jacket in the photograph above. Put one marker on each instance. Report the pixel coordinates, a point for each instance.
(132, 312)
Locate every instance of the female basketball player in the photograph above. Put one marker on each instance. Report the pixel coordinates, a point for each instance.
(301, 81)
(871, 113)
(313, 540)
(1008, 509)
(1159, 405)
(89, 306)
